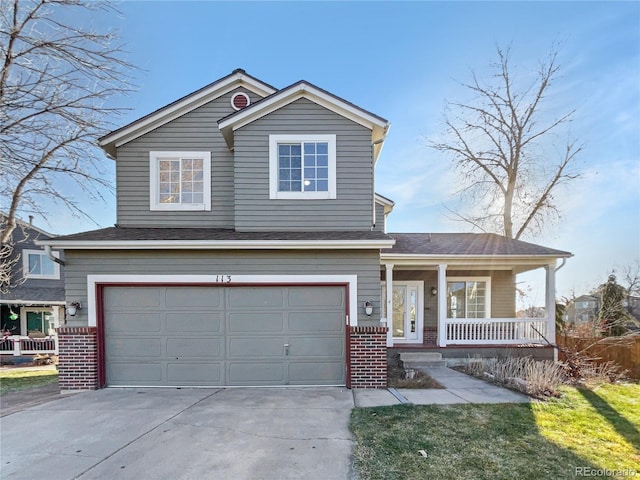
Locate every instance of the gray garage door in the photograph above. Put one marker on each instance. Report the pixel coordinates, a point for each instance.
(181, 336)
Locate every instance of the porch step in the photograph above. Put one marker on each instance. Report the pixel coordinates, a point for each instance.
(421, 359)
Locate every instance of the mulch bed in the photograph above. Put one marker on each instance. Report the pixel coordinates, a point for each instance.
(396, 378)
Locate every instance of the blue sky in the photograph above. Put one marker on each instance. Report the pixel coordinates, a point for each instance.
(402, 60)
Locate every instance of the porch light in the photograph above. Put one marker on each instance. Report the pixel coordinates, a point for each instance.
(434, 291)
(73, 308)
(368, 308)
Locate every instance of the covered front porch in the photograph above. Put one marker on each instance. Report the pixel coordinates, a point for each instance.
(437, 301)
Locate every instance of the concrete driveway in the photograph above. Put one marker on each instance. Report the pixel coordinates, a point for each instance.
(241, 433)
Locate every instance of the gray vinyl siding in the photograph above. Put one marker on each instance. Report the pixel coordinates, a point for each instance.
(380, 220)
(503, 290)
(363, 263)
(196, 131)
(353, 207)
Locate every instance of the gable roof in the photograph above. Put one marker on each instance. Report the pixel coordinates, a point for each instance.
(303, 89)
(26, 225)
(237, 78)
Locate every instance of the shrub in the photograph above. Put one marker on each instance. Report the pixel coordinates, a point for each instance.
(537, 378)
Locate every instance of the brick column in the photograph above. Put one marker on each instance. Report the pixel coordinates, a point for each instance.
(77, 358)
(368, 350)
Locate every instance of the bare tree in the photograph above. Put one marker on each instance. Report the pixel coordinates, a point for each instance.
(498, 142)
(56, 79)
(630, 280)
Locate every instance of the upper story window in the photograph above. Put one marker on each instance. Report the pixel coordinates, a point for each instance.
(37, 264)
(302, 166)
(469, 297)
(180, 180)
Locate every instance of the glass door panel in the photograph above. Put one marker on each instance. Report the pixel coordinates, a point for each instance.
(399, 311)
(35, 322)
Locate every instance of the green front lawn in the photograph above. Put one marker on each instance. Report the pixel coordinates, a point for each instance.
(593, 429)
(13, 380)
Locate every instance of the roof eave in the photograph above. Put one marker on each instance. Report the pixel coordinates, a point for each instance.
(218, 244)
(461, 259)
(378, 126)
(113, 140)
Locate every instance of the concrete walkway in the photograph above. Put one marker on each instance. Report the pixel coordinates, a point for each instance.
(459, 388)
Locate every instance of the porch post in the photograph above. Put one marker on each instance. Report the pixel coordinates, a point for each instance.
(442, 305)
(550, 297)
(388, 310)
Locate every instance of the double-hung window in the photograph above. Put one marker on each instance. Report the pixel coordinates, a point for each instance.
(37, 264)
(302, 166)
(469, 297)
(180, 180)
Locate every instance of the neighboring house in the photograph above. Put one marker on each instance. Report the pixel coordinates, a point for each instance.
(32, 307)
(251, 249)
(583, 309)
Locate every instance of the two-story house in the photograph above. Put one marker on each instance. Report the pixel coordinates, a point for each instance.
(32, 303)
(250, 249)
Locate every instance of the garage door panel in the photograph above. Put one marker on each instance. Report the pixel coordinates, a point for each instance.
(135, 347)
(134, 373)
(139, 296)
(256, 347)
(316, 321)
(306, 373)
(317, 347)
(131, 323)
(193, 297)
(194, 322)
(315, 297)
(255, 322)
(243, 373)
(255, 298)
(194, 347)
(185, 373)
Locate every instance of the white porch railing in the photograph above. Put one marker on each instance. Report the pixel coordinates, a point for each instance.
(495, 331)
(16, 345)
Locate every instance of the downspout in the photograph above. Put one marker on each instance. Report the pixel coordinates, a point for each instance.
(47, 250)
(564, 262)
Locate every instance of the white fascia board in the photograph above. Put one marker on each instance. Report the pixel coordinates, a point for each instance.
(214, 280)
(190, 103)
(383, 200)
(35, 303)
(461, 260)
(220, 245)
(304, 90)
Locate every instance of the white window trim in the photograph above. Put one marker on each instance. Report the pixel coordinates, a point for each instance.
(25, 265)
(487, 280)
(52, 311)
(154, 181)
(274, 140)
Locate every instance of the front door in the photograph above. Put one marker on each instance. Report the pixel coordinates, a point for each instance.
(406, 319)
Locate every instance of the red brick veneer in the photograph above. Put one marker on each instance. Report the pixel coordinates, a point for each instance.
(77, 358)
(368, 358)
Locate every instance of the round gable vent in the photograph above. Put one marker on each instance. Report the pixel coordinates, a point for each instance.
(240, 100)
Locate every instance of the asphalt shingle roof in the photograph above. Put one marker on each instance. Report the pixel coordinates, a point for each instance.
(472, 244)
(213, 234)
